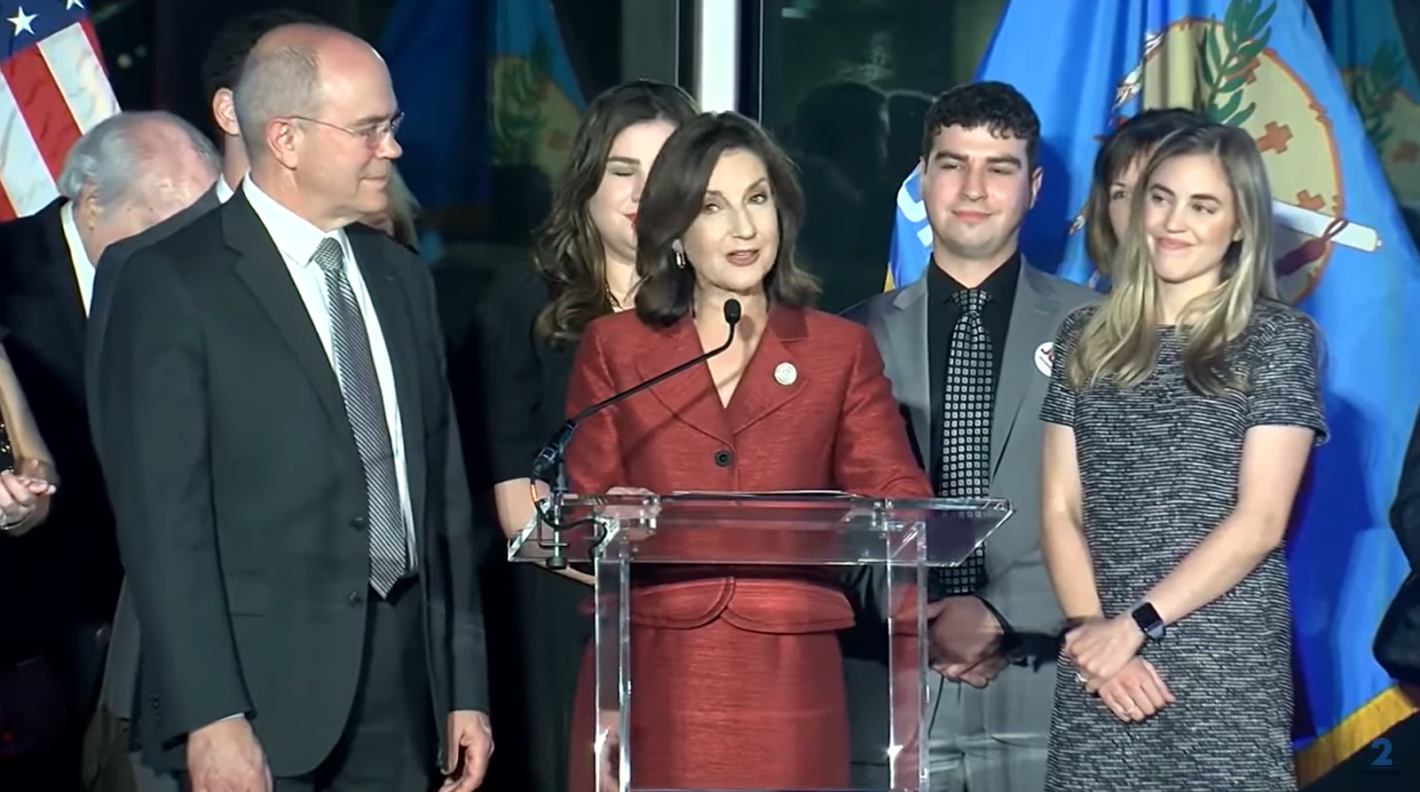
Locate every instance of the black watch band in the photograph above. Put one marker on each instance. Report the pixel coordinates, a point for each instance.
(1149, 622)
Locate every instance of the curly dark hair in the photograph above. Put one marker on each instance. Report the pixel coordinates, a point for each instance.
(675, 195)
(995, 105)
(570, 256)
(1133, 140)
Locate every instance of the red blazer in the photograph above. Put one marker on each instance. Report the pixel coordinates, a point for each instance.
(833, 425)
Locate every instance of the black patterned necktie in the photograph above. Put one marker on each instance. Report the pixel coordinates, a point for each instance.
(966, 432)
(365, 409)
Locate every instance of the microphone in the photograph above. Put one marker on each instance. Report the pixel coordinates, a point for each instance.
(550, 467)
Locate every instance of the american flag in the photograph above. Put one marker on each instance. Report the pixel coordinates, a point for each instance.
(53, 89)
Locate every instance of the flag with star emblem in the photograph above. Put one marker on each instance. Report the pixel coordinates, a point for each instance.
(1343, 255)
(536, 101)
(1376, 43)
(53, 89)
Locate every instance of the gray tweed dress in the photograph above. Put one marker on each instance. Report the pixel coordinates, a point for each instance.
(1159, 464)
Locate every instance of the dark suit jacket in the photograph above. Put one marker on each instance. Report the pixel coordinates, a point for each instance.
(120, 680)
(1397, 642)
(110, 264)
(68, 570)
(225, 435)
(831, 427)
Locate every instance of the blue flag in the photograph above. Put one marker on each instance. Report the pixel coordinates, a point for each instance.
(1344, 256)
(434, 48)
(911, 236)
(1376, 43)
(536, 102)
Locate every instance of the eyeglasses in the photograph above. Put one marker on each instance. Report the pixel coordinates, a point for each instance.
(371, 136)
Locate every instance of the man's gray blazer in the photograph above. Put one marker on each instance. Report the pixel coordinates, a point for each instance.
(121, 670)
(1010, 719)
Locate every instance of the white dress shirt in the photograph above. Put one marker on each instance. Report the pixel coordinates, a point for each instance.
(224, 193)
(297, 240)
(78, 257)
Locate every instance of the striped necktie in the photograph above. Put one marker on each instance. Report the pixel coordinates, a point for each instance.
(365, 409)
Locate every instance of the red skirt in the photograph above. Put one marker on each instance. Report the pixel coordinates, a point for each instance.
(720, 707)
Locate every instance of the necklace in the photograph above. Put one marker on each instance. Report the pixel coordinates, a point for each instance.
(616, 305)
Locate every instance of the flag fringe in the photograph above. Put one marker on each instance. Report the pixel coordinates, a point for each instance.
(1353, 734)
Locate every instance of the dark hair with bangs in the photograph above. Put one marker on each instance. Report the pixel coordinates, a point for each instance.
(674, 197)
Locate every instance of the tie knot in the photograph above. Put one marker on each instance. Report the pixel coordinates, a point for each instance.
(972, 300)
(329, 256)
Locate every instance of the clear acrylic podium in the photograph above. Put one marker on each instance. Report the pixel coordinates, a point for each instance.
(881, 550)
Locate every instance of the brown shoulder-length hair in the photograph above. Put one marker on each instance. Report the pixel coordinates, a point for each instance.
(674, 197)
(404, 211)
(570, 254)
(1132, 142)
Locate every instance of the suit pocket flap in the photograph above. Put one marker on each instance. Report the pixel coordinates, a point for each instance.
(248, 596)
(681, 606)
(788, 608)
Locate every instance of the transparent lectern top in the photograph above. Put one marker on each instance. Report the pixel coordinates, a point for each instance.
(816, 528)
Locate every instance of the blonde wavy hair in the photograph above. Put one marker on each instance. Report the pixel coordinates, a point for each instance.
(1120, 342)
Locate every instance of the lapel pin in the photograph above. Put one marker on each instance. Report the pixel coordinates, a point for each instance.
(785, 373)
(1045, 357)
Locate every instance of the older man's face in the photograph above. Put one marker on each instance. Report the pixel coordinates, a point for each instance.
(168, 184)
(178, 185)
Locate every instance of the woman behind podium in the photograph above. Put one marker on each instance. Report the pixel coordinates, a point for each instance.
(738, 680)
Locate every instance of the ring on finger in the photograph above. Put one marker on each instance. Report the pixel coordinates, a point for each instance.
(1115, 706)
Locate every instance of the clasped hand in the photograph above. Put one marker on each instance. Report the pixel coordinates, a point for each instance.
(965, 640)
(1105, 655)
(20, 494)
(1099, 648)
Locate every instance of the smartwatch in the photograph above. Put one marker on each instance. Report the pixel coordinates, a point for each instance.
(1149, 622)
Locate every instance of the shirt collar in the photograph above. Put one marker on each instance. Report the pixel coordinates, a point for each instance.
(224, 193)
(294, 236)
(999, 285)
(77, 253)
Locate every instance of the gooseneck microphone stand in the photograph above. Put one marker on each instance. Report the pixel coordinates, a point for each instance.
(550, 467)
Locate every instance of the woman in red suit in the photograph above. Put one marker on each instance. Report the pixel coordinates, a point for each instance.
(738, 680)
